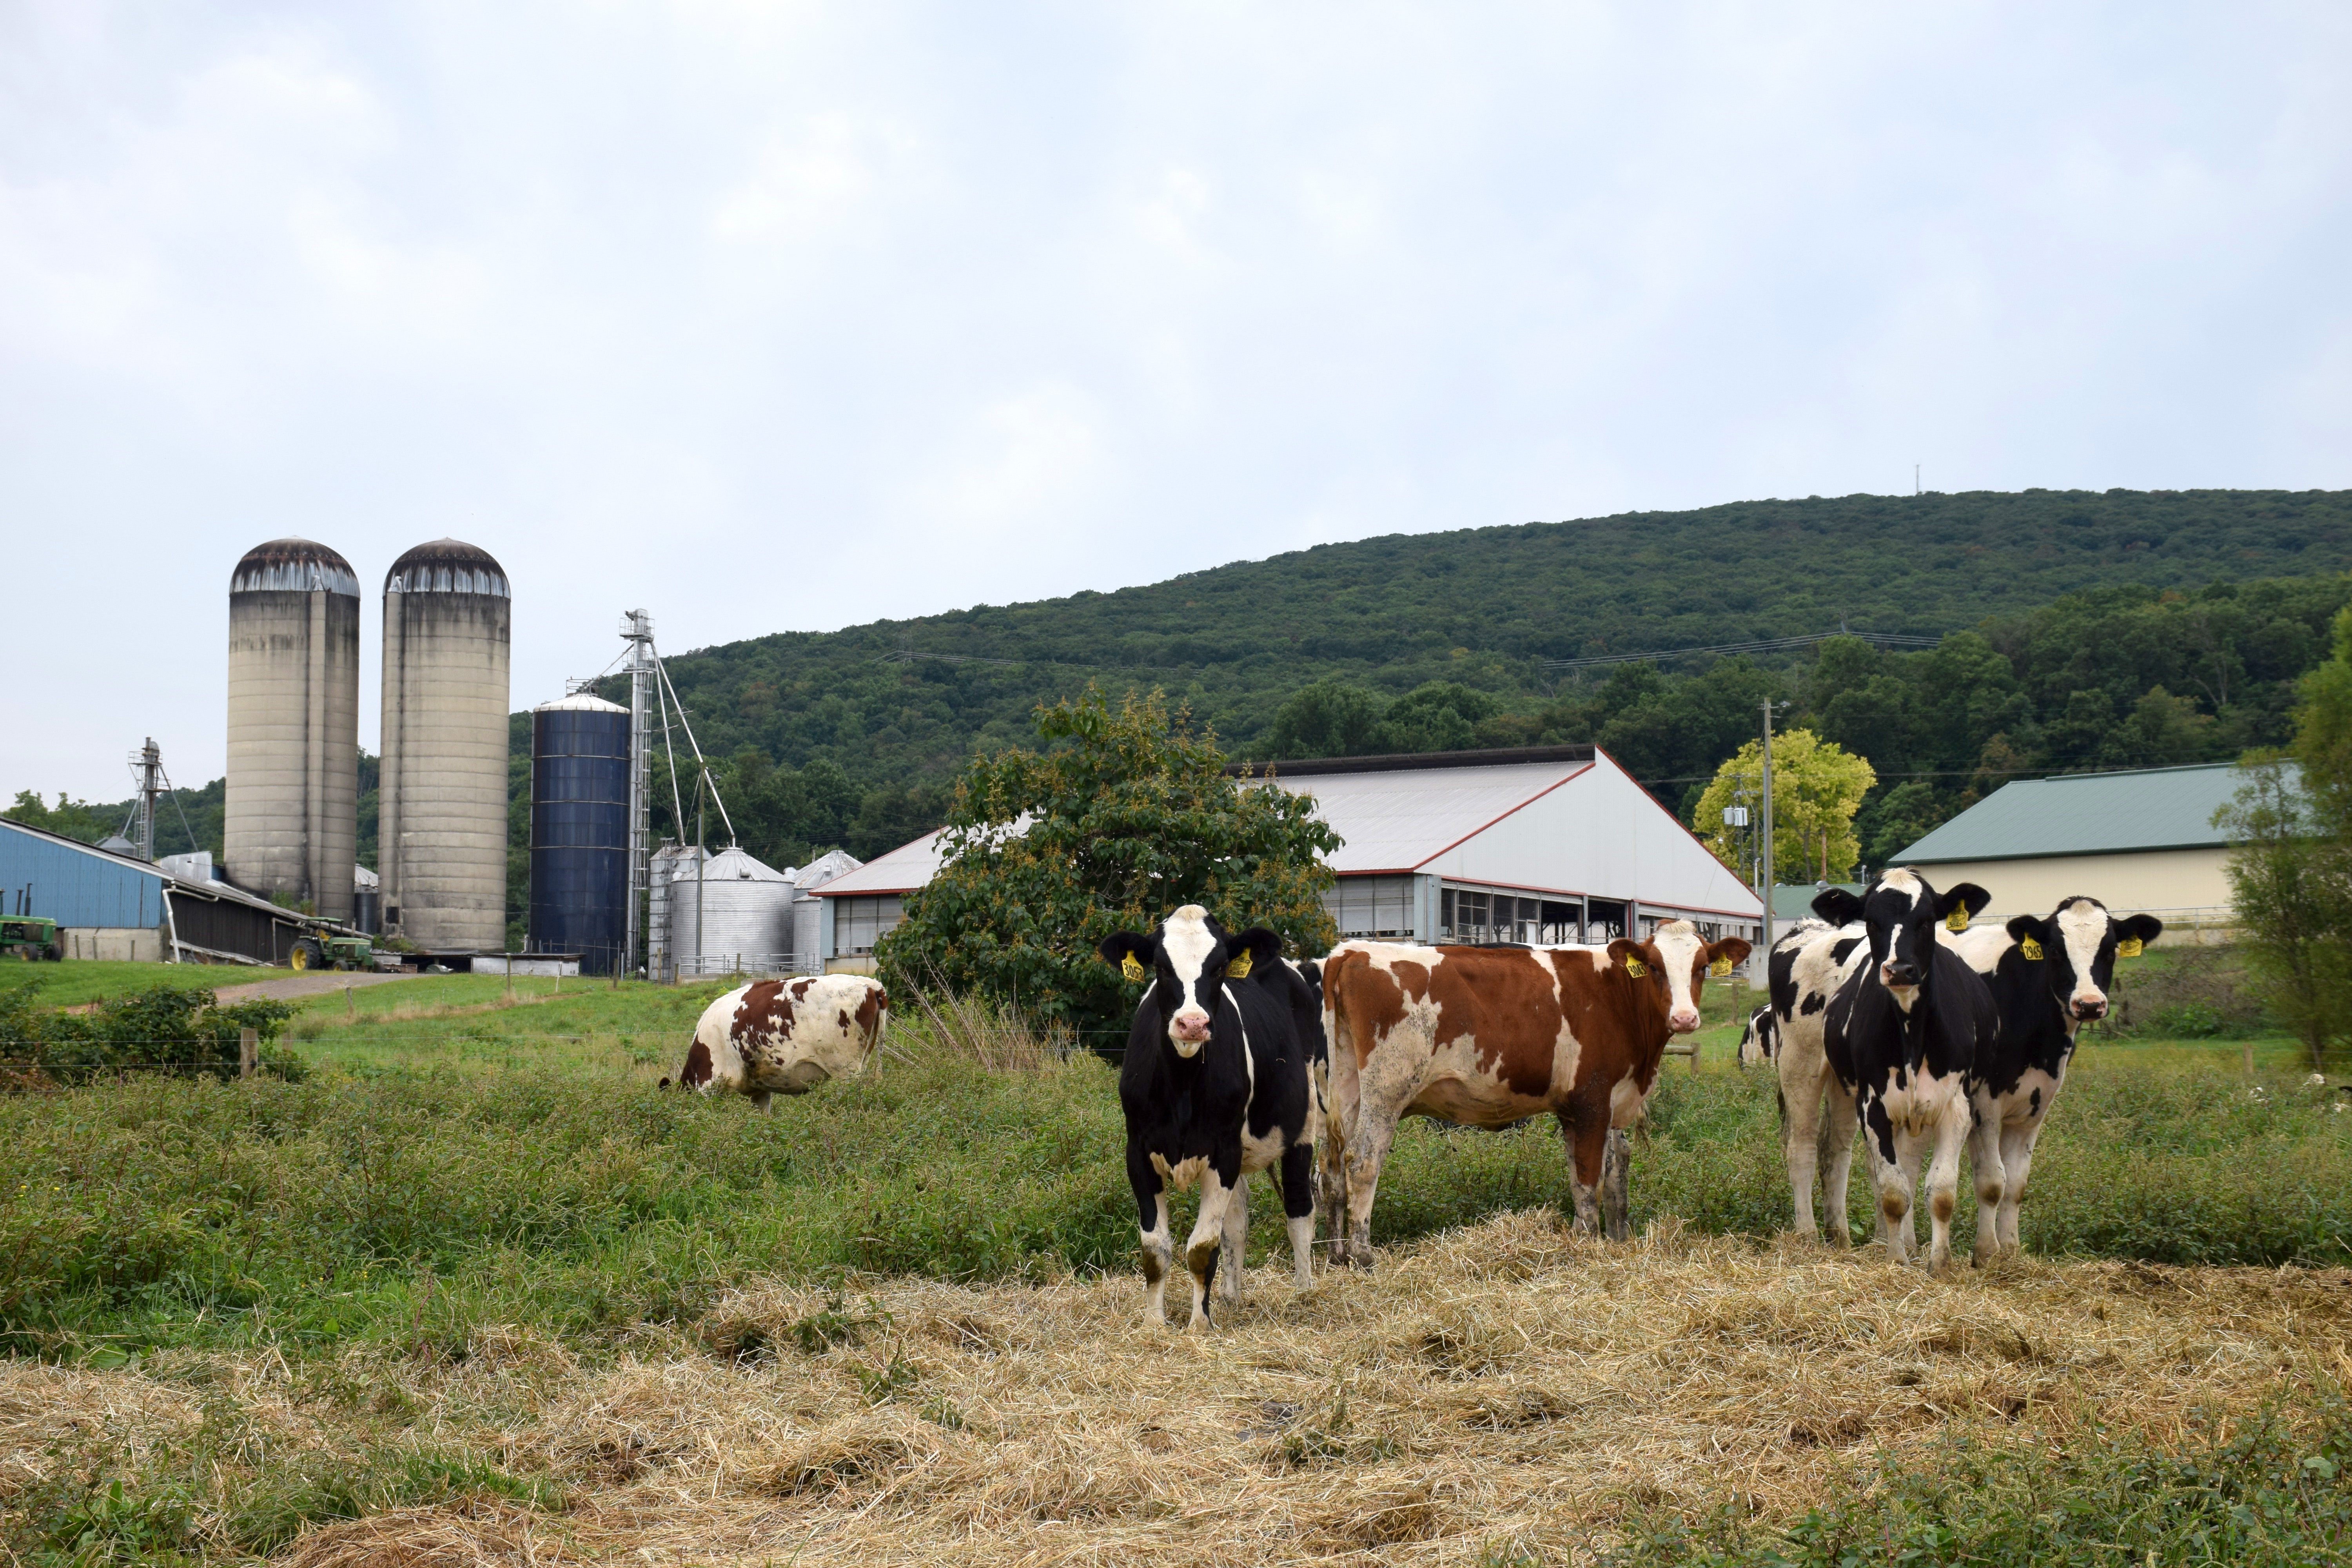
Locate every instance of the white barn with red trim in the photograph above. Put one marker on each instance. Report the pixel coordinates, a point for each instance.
(1541, 845)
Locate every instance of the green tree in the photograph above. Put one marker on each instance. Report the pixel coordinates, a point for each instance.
(1817, 787)
(73, 818)
(1130, 816)
(1325, 718)
(2291, 884)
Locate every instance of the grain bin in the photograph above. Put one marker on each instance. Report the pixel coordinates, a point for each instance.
(580, 831)
(291, 825)
(442, 822)
(737, 915)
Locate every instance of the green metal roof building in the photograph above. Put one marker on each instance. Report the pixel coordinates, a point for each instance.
(2142, 840)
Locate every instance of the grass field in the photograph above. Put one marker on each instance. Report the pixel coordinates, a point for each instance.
(475, 1292)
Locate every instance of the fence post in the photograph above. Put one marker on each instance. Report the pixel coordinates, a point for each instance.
(510, 977)
(350, 1001)
(248, 1052)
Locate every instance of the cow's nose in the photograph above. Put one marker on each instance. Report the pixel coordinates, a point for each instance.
(1682, 1020)
(1900, 974)
(2090, 1007)
(1189, 1026)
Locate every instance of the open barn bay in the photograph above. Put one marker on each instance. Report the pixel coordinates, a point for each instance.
(475, 1292)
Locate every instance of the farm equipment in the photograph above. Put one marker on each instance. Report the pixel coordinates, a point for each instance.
(333, 950)
(31, 937)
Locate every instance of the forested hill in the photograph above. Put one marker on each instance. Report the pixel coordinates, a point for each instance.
(1483, 607)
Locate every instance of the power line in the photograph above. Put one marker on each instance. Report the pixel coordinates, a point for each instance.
(1769, 645)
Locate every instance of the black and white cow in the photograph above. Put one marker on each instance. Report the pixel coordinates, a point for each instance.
(1216, 1085)
(2049, 976)
(1804, 971)
(1904, 1035)
(1756, 1042)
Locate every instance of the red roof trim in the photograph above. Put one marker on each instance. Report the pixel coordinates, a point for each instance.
(1513, 812)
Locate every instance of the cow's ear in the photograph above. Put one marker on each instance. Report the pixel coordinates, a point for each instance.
(1132, 951)
(1637, 957)
(1961, 897)
(1723, 957)
(2140, 930)
(2028, 928)
(1837, 906)
(1254, 950)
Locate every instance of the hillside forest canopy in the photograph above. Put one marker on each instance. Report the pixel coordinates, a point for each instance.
(2077, 631)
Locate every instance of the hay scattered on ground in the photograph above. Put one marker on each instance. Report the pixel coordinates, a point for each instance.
(1506, 1384)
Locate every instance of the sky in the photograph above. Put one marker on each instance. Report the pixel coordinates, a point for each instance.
(794, 316)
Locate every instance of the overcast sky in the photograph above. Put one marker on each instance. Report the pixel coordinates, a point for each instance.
(794, 316)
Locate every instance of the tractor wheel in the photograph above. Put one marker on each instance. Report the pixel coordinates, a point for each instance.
(55, 952)
(304, 957)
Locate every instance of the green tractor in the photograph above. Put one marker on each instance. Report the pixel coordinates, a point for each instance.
(31, 937)
(333, 950)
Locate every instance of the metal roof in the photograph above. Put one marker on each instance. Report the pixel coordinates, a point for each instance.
(1408, 812)
(2086, 813)
(902, 871)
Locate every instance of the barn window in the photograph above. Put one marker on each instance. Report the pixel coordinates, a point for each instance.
(1372, 907)
(858, 922)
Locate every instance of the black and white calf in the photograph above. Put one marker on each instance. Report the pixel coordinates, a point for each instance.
(1904, 1035)
(1758, 1042)
(1804, 970)
(1215, 1086)
(2049, 976)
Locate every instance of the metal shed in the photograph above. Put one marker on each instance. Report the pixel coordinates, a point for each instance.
(113, 906)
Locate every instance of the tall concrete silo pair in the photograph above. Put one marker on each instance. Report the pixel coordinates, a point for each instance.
(291, 823)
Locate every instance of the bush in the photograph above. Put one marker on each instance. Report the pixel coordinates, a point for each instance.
(2186, 994)
(162, 1029)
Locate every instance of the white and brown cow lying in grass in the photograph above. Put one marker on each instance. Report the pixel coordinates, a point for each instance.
(785, 1036)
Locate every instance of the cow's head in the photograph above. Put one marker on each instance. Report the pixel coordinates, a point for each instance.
(1901, 913)
(1187, 962)
(1678, 960)
(2075, 948)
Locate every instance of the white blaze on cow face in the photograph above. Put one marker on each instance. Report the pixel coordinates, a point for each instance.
(2083, 930)
(1679, 952)
(1186, 946)
(1889, 923)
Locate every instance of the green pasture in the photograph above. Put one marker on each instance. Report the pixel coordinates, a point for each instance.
(78, 980)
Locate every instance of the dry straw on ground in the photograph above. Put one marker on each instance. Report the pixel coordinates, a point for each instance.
(1505, 1383)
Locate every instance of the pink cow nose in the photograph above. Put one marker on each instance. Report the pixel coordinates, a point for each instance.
(1682, 1020)
(2090, 1007)
(1189, 1026)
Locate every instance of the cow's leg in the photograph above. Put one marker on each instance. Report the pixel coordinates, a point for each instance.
(1233, 1244)
(1616, 1162)
(2017, 1163)
(1584, 1129)
(1893, 1163)
(1368, 1150)
(1342, 1114)
(1297, 1172)
(1838, 1127)
(763, 1101)
(1951, 1133)
(1218, 1184)
(1151, 1218)
(1990, 1168)
(1802, 1073)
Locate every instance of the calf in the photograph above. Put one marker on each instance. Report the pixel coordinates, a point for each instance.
(1487, 1037)
(1757, 1041)
(1903, 1034)
(1817, 1123)
(1215, 1086)
(2049, 976)
(785, 1036)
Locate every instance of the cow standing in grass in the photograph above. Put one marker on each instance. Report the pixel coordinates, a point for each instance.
(785, 1036)
(1804, 969)
(1904, 1034)
(1487, 1037)
(2049, 976)
(1216, 1085)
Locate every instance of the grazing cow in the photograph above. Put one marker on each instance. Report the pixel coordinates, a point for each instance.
(1487, 1037)
(785, 1036)
(1903, 1034)
(1215, 1086)
(1803, 971)
(2049, 976)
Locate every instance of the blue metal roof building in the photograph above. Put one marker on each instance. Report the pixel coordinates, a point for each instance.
(77, 884)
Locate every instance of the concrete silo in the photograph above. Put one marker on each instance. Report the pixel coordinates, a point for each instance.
(580, 831)
(292, 807)
(442, 822)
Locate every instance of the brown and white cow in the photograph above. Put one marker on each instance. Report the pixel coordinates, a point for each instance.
(785, 1036)
(1486, 1037)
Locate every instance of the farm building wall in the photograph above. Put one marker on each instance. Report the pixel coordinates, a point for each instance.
(2185, 888)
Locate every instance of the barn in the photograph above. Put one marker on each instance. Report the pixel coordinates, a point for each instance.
(108, 905)
(1545, 844)
(2142, 840)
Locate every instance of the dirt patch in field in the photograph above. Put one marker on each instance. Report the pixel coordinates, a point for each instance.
(1506, 1384)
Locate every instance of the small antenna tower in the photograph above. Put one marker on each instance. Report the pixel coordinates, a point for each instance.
(1915, 479)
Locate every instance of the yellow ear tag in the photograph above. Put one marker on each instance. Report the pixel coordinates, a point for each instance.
(2130, 947)
(1958, 920)
(1129, 967)
(2030, 948)
(1637, 968)
(1720, 967)
(1239, 968)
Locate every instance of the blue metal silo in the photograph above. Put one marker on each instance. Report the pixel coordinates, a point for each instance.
(580, 831)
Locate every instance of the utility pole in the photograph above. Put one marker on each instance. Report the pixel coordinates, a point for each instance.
(637, 627)
(1765, 877)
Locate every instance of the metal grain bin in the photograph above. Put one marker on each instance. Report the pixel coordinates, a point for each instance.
(737, 915)
(291, 825)
(580, 831)
(442, 834)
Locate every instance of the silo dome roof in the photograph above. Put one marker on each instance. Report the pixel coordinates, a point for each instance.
(295, 565)
(446, 566)
(732, 865)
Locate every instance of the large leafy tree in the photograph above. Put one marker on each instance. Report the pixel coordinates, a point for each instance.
(1130, 815)
(1817, 786)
